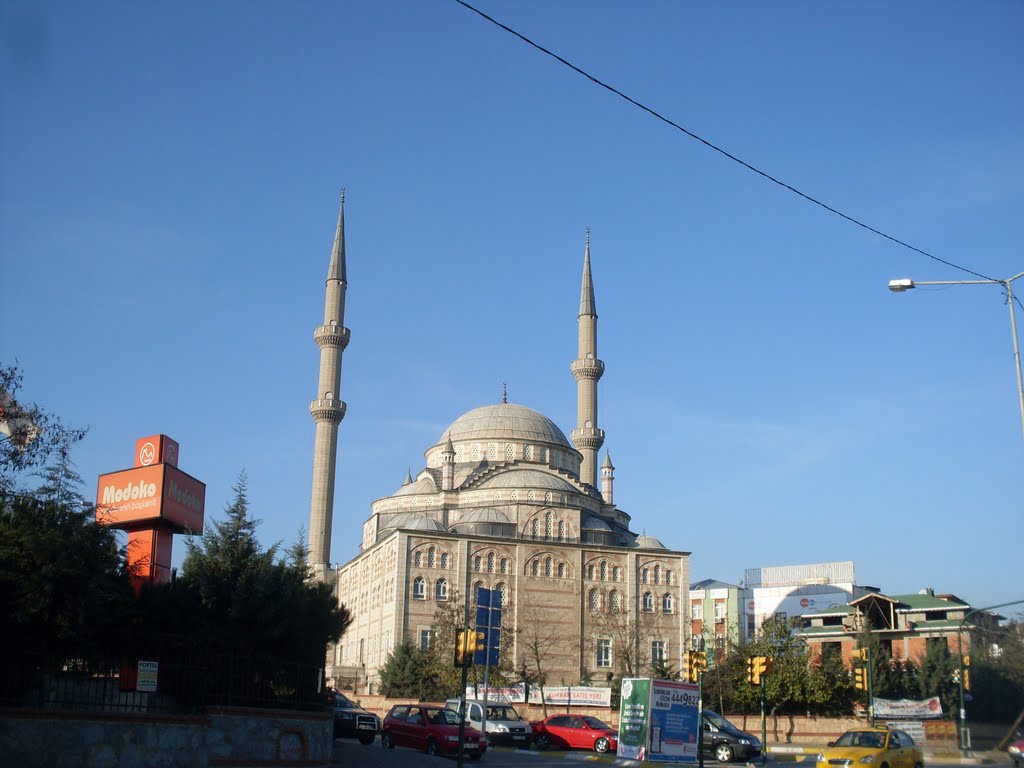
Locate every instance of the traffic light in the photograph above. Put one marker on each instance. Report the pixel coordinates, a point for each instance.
(967, 679)
(757, 666)
(965, 671)
(477, 641)
(700, 663)
(860, 678)
(955, 677)
(688, 666)
(767, 665)
(463, 656)
(861, 654)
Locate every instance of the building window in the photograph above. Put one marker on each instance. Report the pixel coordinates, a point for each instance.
(604, 570)
(530, 495)
(535, 568)
(477, 563)
(476, 453)
(419, 589)
(510, 452)
(417, 560)
(547, 525)
(645, 576)
(543, 456)
(604, 654)
(441, 589)
(668, 575)
(657, 651)
(613, 601)
(492, 451)
(648, 602)
(666, 603)
(534, 528)
(503, 591)
(590, 572)
(561, 530)
(697, 610)
(528, 452)
(477, 587)
(616, 573)
(561, 570)
(490, 562)
(719, 610)
(426, 635)
(657, 574)
(593, 600)
(547, 566)
(444, 559)
(431, 558)
(503, 565)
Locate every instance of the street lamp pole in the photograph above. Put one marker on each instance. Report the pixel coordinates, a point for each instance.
(906, 284)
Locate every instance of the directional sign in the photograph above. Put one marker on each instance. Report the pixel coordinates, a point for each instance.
(488, 621)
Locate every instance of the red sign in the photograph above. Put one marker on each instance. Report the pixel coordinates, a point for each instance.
(158, 449)
(145, 494)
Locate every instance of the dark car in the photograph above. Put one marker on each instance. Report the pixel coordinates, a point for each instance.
(1016, 752)
(352, 720)
(430, 728)
(725, 742)
(574, 732)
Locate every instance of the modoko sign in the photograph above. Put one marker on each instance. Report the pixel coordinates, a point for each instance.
(151, 501)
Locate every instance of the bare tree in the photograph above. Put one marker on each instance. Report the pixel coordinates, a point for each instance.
(539, 638)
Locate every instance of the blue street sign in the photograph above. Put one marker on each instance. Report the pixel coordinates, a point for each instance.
(488, 621)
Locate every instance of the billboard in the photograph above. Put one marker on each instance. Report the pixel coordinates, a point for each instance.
(146, 494)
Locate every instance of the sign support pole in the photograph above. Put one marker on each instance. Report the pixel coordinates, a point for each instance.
(764, 729)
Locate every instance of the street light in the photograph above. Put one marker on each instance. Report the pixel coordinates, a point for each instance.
(906, 284)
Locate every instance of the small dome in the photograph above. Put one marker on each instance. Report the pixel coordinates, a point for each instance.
(423, 485)
(529, 478)
(412, 521)
(424, 524)
(488, 515)
(591, 523)
(643, 541)
(506, 421)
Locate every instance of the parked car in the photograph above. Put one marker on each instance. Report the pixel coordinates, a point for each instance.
(1016, 752)
(430, 728)
(875, 745)
(504, 725)
(725, 741)
(574, 732)
(350, 719)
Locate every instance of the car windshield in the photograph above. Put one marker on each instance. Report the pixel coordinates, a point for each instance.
(442, 717)
(340, 700)
(593, 722)
(718, 721)
(865, 739)
(502, 713)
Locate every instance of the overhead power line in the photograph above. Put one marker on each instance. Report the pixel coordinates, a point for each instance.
(716, 148)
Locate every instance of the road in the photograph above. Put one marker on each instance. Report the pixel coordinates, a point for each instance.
(349, 753)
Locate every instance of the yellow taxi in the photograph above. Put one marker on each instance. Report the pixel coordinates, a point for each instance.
(876, 746)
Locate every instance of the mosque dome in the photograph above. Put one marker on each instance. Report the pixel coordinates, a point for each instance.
(413, 521)
(529, 478)
(591, 523)
(486, 515)
(506, 421)
(643, 541)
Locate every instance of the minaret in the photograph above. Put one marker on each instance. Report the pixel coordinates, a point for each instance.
(587, 370)
(607, 479)
(328, 409)
(448, 465)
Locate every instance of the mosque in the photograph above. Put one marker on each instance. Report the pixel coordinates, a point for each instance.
(506, 501)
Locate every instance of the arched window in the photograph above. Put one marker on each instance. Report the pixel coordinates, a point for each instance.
(431, 558)
(590, 572)
(613, 601)
(645, 576)
(419, 589)
(648, 602)
(547, 566)
(616, 573)
(490, 562)
(534, 528)
(503, 565)
(604, 570)
(441, 589)
(593, 600)
(547, 525)
(657, 574)
(510, 452)
(477, 563)
(666, 603)
(535, 568)
(477, 586)
(444, 559)
(417, 559)
(561, 570)
(503, 591)
(561, 530)
(668, 575)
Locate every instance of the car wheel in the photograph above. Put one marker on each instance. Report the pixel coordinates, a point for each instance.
(543, 741)
(601, 745)
(385, 741)
(723, 753)
(432, 748)
(367, 738)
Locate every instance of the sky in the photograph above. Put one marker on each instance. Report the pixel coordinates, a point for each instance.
(169, 183)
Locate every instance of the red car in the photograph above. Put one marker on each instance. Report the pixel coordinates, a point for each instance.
(1016, 752)
(574, 732)
(430, 728)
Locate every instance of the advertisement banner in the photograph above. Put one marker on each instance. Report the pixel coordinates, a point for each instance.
(914, 710)
(146, 494)
(634, 718)
(561, 695)
(673, 722)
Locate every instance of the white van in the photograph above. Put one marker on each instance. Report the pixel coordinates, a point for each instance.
(504, 725)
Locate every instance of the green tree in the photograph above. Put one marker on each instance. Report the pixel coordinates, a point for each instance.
(404, 675)
(787, 687)
(61, 482)
(935, 675)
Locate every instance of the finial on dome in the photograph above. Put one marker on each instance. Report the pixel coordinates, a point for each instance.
(588, 228)
(408, 477)
(504, 392)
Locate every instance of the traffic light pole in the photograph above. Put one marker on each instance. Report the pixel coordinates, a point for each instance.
(462, 697)
(700, 719)
(764, 729)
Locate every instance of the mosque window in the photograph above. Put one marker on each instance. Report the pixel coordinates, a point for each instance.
(441, 589)
(534, 528)
(490, 562)
(590, 572)
(547, 497)
(417, 559)
(604, 570)
(477, 563)
(530, 495)
(645, 576)
(503, 565)
(476, 453)
(647, 602)
(431, 558)
(561, 530)
(528, 452)
(547, 525)
(477, 587)
(542, 454)
(513, 495)
(419, 589)
(561, 498)
(496, 496)
(668, 575)
(657, 574)
(444, 559)
(492, 451)
(613, 601)
(593, 600)
(458, 453)
(503, 591)
(535, 568)
(666, 603)
(547, 566)
(510, 452)
(561, 570)
(616, 573)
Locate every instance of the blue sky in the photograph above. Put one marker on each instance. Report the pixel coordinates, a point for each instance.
(170, 180)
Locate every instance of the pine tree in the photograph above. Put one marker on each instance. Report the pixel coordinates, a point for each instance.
(61, 482)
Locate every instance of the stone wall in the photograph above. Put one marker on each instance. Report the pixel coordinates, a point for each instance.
(222, 738)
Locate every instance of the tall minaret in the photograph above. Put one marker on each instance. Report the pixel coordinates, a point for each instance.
(328, 409)
(588, 370)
